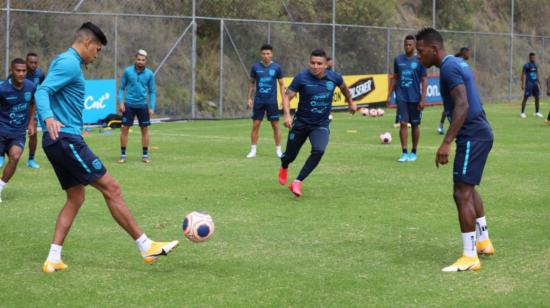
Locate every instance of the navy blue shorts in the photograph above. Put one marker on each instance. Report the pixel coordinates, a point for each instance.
(6, 142)
(261, 109)
(532, 90)
(408, 112)
(74, 163)
(470, 159)
(130, 113)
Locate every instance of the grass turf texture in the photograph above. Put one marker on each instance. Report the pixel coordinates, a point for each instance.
(368, 231)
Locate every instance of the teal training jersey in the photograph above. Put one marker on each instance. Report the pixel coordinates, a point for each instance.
(61, 95)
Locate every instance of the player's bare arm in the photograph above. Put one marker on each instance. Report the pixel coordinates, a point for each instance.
(289, 95)
(391, 80)
(523, 79)
(460, 112)
(251, 86)
(351, 105)
(282, 88)
(32, 122)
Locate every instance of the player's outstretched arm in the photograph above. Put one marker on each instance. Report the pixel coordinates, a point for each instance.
(460, 112)
(289, 95)
(351, 104)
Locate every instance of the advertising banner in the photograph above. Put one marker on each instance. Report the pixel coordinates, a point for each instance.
(364, 89)
(99, 100)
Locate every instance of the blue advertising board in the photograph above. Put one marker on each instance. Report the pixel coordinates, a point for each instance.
(99, 100)
(433, 96)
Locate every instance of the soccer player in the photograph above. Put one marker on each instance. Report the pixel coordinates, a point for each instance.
(36, 76)
(316, 88)
(264, 77)
(60, 101)
(463, 53)
(330, 63)
(410, 82)
(16, 110)
(137, 82)
(474, 139)
(531, 84)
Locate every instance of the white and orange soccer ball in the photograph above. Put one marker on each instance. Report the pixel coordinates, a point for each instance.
(373, 112)
(198, 226)
(385, 138)
(380, 112)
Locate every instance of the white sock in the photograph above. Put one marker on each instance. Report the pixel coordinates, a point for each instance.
(278, 148)
(144, 243)
(2, 184)
(481, 229)
(55, 253)
(469, 239)
(253, 148)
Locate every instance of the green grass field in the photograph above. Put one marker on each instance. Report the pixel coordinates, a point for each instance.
(368, 231)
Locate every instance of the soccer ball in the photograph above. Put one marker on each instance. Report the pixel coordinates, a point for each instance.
(380, 112)
(198, 226)
(385, 138)
(365, 111)
(373, 112)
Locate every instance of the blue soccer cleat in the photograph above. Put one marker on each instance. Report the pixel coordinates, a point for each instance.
(403, 158)
(412, 156)
(33, 164)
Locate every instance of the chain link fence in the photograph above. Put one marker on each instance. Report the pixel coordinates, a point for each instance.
(202, 55)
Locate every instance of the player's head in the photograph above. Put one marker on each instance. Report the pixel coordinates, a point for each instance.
(18, 68)
(90, 39)
(409, 43)
(464, 53)
(266, 52)
(141, 59)
(532, 57)
(330, 62)
(32, 61)
(429, 45)
(318, 62)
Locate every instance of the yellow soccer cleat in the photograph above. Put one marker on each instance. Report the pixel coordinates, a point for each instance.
(158, 249)
(50, 267)
(464, 263)
(485, 247)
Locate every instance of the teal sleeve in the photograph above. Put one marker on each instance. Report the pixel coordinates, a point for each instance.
(152, 92)
(123, 83)
(60, 74)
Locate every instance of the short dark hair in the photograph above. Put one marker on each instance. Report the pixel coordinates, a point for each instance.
(31, 54)
(319, 53)
(18, 61)
(409, 37)
(429, 35)
(531, 54)
(461, 52)
(266, 47)
(96, 31)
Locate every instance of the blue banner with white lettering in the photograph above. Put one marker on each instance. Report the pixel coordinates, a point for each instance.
(99, 100)
(433, 96)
